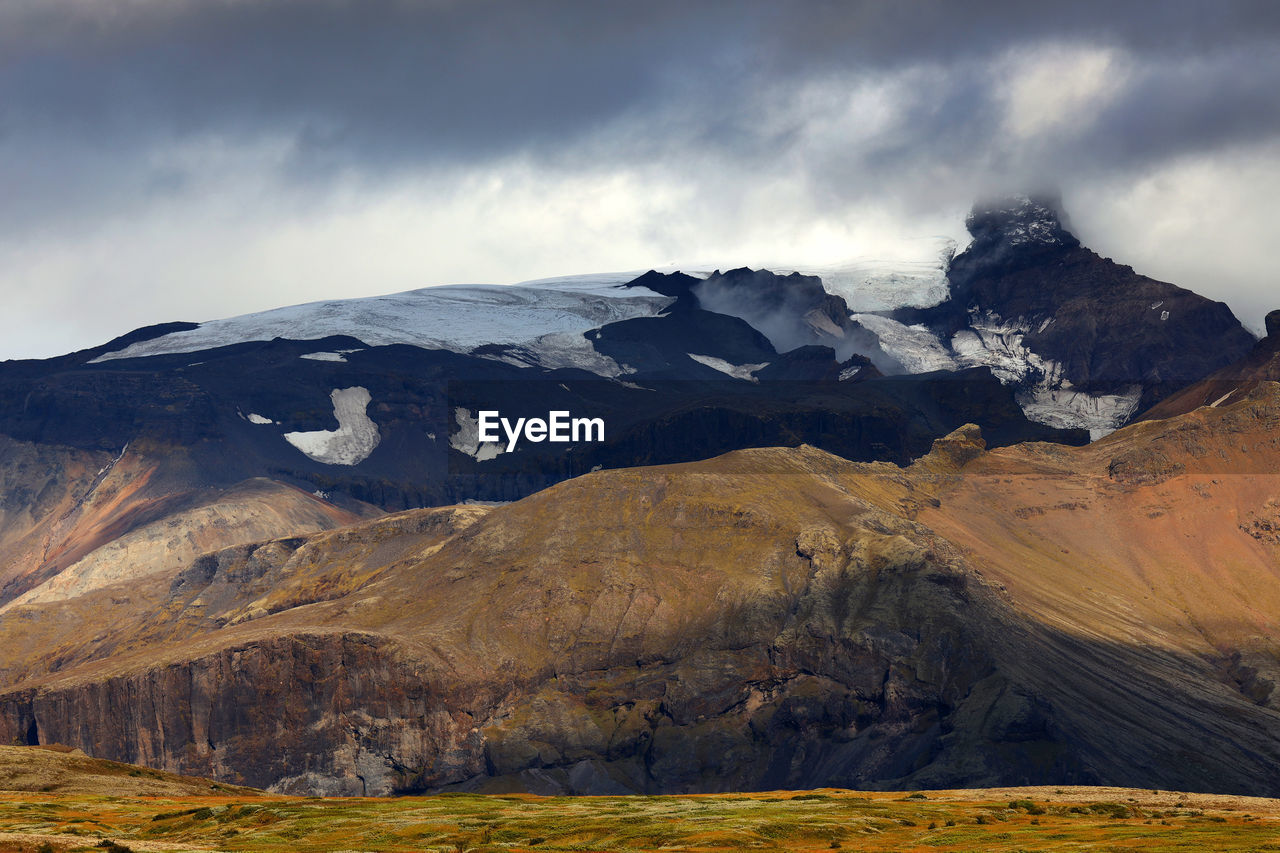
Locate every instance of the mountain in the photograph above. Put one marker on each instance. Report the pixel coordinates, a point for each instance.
(1232, 382)
(1085, 341)
(376, 401)
(773, 617)
(810, 544)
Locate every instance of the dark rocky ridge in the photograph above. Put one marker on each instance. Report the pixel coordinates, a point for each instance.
(792, 310)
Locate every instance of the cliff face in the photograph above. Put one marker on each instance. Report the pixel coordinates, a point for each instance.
(769, 618)
(641, 679)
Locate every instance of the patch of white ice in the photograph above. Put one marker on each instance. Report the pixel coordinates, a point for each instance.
(1218, 402)
(737, 371)
(992, 342)
(340, 355)
(259, 419)
(561, 350)
(353, 440)
(916, 348)
(467, 438)
(1067, 408)
(915, 276)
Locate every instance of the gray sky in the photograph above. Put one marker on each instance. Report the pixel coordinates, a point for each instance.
(191, 159)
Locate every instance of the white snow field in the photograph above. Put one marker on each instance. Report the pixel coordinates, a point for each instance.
(353, 440)
(915, 276)
(452, 317)
(998, 344)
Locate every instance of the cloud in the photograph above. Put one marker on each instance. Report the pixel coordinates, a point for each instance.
(195, 158)
(1057, 89)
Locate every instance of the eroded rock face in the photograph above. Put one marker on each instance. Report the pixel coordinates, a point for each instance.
(335, 714)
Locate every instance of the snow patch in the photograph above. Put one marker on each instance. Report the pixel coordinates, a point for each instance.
(255, 418)
(561, 350)
(914, 277)
(992, 342)
(849, 373)
(353, 440)
(1066, 408)
(1218, 402)
(737, 371)
(340, 355)
(1046, 396)
(467, 438)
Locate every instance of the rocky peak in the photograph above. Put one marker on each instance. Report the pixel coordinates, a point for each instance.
(1020, 220)
(677, 284)
(792, 310)
(1273, 324)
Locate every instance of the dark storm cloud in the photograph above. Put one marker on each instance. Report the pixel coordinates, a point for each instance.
(375, 79)
(381, 85)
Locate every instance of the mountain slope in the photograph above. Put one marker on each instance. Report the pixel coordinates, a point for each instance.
(1232, 382)
(769, 618)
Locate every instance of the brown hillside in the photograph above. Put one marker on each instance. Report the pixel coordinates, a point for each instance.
(72, 521)
(769, 618)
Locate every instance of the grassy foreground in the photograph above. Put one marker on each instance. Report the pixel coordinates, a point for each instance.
(1096, 819)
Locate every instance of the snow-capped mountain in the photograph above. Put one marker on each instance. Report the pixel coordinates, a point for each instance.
(544, 320)
(1084, 342)
(1025, 333)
